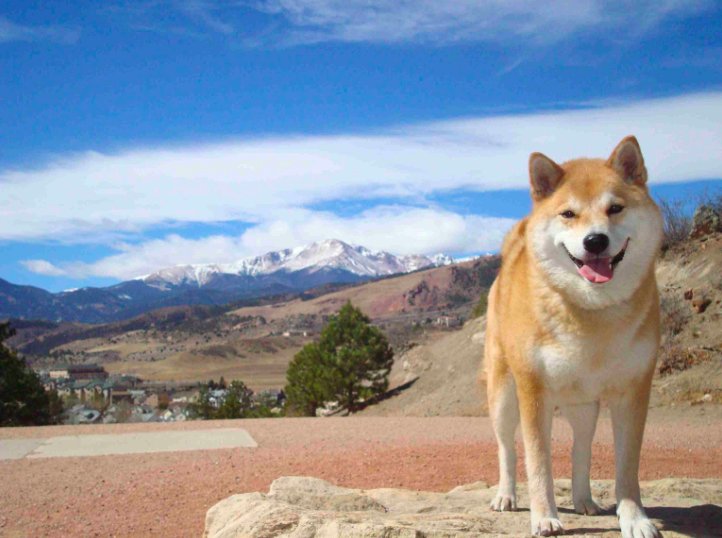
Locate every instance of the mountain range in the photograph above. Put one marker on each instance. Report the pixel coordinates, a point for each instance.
(286, 271)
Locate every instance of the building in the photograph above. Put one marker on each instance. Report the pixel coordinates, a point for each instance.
(86, 371)
(58, 372)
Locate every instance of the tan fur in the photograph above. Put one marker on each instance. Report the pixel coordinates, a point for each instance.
(547, 348)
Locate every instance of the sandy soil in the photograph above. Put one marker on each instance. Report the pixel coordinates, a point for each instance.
(168, 494)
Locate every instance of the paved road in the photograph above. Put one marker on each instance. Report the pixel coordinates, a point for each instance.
(125, 443)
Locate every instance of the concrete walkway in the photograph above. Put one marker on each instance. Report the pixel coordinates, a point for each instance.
(125, 443)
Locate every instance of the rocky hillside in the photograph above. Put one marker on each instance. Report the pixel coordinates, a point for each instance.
(440, 375)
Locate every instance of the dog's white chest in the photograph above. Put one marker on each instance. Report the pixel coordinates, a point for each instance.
(582, 368)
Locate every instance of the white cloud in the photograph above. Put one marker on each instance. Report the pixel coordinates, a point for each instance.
(94, 195)
(397, 229)
(10, 31)
(43, 267)
(521, 21)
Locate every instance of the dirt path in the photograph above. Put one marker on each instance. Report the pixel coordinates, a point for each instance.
(168, 493)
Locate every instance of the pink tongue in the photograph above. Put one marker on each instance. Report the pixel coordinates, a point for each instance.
(597, 271)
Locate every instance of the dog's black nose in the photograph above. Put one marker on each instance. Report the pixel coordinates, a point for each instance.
(596, 243)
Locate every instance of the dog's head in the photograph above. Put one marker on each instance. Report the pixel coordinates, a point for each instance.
(594, 229)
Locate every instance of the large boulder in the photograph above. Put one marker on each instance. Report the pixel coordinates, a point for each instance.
(303, 507)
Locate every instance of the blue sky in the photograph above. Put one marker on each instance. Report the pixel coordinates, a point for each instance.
(137, 135)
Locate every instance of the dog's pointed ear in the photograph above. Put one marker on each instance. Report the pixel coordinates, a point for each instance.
(627, 161)
(544, 175)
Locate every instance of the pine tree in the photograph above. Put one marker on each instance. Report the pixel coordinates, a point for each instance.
(23, 400)
(350, 363)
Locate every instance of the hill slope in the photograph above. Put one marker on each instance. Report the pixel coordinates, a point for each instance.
(689, 370)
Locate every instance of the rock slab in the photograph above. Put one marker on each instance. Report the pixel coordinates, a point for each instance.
(305, 507)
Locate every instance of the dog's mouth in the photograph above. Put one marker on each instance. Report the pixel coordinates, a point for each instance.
(598, 270)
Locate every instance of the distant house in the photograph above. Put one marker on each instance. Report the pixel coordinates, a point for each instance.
(270, 397)
(126, 380)
(144, 413)
(58, 372)
(121, 393)
(78, 389)
(217, 397)
(86, 371)
(99, 388)
(448, 321)
(295, 332)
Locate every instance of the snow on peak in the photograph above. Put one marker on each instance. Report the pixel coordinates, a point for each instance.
(327, 255)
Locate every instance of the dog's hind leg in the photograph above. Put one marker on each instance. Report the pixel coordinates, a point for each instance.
(583, 419)
(504, 411)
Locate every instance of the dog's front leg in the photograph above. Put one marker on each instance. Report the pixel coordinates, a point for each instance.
(536, 421)
(629, 412)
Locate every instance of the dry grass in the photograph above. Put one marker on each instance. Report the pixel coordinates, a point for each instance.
(259, 364)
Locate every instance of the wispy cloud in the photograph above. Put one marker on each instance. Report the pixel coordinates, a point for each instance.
(520, 23)
(415, 230)
(203, 12)
(10, 31)
(43, 267)
(95, 194)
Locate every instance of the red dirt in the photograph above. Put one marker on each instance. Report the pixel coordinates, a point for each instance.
(168, 494)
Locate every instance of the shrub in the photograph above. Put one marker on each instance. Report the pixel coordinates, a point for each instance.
(480, 307)
(675, 315)
(237, 402)
(675, 358)
(677, 223)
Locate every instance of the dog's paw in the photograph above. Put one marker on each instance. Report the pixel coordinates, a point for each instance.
(503, 503)
(638, 527)
(547, 526)
(586, 507)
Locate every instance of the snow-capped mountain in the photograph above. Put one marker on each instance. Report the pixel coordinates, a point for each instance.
(331, 255)
(289, 271)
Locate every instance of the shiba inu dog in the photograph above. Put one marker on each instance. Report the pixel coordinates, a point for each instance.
(573, 319)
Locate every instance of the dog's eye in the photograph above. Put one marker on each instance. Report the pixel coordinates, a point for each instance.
(568, 214)
(614, 209)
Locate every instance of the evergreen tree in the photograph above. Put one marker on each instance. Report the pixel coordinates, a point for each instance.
(350, 363)
(23, 400)
(307, 387)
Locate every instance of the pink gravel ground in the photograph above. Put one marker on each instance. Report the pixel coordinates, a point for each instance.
(168, 494)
